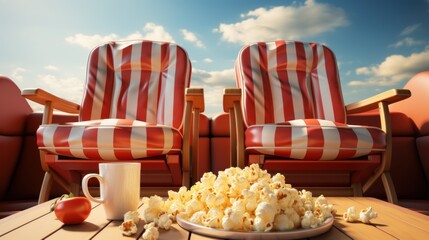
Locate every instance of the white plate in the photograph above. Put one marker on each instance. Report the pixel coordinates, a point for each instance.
(220, 233)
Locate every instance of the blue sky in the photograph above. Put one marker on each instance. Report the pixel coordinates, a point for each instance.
(379, 44)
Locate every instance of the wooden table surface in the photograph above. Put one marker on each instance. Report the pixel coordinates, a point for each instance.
(393, 222)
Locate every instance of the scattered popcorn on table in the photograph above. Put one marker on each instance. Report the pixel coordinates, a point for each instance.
(128, 228)
(367, 214)
(364, 216)
(132, 215)
(351, 215)
(151, 232)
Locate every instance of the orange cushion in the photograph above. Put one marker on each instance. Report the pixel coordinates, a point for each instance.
(314, 139)
(109, 139)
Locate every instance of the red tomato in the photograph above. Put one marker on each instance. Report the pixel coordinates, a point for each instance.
(73, 210)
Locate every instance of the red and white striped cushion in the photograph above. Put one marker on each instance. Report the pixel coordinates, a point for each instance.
(109, 139)
(142, 80)
(286, 80)
(133, 104)
(314, 139)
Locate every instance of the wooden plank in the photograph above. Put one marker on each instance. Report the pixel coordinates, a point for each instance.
(112, 231)
(334, 233)
(393, 222)
(23, 217)
(38, 229)
(355, 230)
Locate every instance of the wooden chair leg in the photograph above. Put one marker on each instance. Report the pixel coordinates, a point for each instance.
(357, 190)
(75, 189)
(186, 180)
(45, 190)
(389, 188)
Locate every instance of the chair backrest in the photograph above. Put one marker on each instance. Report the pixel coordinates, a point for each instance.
(141, 80)
(286, 80)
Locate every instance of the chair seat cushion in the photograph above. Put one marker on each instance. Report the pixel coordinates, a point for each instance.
(109, 139)
(314, 139)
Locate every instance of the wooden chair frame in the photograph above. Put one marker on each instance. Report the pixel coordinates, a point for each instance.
(232, 104)
(194, 105)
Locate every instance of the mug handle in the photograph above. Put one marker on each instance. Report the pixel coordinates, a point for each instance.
(85, 186)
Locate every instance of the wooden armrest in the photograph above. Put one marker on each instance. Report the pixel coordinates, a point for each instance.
(230, 95)
(389, 97)
(196, 96)
(42, 97)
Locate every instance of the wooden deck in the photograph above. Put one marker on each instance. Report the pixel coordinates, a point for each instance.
(393, 222)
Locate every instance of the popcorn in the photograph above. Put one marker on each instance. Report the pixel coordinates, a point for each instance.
(307, 199)
(164, 221)
(154, 206)
(283, 222)
(262, 225)
(286, 197)
(232, 220)
(198, 217)
(213, 218)
(265, 211)
(322, 208)
(237, 199)
(151, 232)
(174, 207)
(128, 228)
(193, 206)
(364, 216)
(367, 214)
(351, 215)
(310, 220)
(249, 199)
(248, 221)
(133, 216)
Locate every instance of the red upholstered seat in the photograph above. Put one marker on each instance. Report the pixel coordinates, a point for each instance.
(314, 139)
(289, 106)
(109, 139)
(136, 107)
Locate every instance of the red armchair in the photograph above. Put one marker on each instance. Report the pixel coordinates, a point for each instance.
(289, 116)
(136, 107)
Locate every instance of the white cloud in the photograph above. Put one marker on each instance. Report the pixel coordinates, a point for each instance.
(90, 41)
(69, 88)
(222, 78)
(410, 29)
(17, 74)
(363, 71)
(156, 32)
(151, 31)
(408, 42)
(213, 83)
(51, 67)
(208, 60)
(191, 37)
(291, 22)
(393, 70)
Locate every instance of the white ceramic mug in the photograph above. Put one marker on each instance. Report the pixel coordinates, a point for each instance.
(119, 188)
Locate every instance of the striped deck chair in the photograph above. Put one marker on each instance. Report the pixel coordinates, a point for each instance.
(288, 115)
(137, 106)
